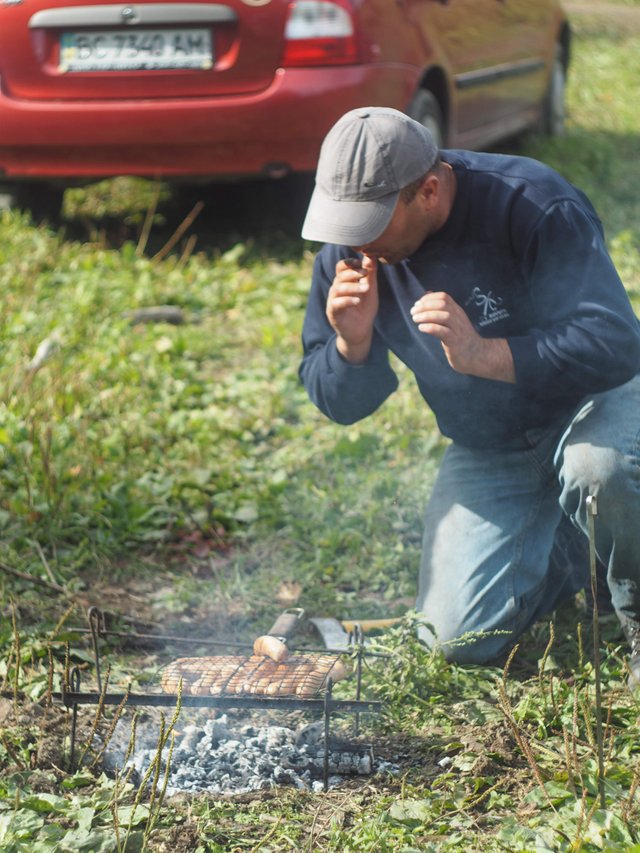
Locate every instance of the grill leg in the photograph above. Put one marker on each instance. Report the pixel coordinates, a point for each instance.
(358, 638)
(74, 685)
(327, 733)
(96, 624)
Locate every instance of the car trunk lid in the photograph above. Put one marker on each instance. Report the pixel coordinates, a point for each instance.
(70, 50)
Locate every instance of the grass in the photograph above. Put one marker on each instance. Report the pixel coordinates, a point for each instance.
(179, 475)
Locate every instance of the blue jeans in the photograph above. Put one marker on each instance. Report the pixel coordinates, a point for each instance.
(496, 555)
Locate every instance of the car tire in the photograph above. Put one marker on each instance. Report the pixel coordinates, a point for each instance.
(43, 201)
(552, 122)
(425, 109)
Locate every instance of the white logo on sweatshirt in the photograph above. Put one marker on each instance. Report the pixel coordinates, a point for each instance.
(490, 307)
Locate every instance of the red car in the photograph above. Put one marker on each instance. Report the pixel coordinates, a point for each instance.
(247, 88)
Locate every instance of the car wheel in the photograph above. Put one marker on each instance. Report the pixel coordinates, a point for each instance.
(41, 200)
(426, 109)
(554, 112)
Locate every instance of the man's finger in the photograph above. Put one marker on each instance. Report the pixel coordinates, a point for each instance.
(340, 302)
(430, 316)
(430, 301)
(436, 330)
(349, 274)
(351, 288)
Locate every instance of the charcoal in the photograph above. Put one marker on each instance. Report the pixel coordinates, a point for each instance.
(310, 734)
(221, 759)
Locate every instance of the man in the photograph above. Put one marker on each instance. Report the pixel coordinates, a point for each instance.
(488, 276)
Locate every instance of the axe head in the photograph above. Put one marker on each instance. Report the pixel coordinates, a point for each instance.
(334, 636)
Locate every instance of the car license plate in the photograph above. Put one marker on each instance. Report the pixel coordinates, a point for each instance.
(119, 50)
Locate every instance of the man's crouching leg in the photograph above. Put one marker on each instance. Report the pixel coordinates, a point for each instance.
(600, 456)
(485, 572)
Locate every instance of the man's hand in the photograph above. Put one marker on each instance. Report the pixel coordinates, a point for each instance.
(467, 352)
(352, 306)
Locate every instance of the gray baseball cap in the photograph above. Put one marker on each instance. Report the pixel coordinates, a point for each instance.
(367, 157)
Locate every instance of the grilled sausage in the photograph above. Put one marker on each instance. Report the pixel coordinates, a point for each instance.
(271, 647)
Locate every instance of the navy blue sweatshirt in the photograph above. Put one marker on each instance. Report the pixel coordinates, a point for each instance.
(523, 253)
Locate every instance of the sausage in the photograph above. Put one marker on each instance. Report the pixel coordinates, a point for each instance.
(271, 647)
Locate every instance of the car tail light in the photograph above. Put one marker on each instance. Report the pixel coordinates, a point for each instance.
(320, 32)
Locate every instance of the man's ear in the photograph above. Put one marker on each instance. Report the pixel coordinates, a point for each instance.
(430, 191)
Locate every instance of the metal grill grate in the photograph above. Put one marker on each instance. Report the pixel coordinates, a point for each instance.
(299, 675)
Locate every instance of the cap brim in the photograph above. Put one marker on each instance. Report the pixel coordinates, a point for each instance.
(347, 223)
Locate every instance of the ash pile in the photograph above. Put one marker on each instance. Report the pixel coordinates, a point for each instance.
(219, 758)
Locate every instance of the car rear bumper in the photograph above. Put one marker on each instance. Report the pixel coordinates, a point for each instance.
(278, 129)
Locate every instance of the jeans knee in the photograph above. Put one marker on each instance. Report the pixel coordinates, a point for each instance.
(602, 471)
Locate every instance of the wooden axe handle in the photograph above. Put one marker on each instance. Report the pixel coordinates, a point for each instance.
(370, 624)
(286, 623)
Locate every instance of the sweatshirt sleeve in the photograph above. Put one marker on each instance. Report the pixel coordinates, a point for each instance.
(342, 391)
(584, 336)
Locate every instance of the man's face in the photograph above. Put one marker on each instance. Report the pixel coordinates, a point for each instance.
(405, 233)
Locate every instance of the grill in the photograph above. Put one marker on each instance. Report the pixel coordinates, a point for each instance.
(302, 682)
(301, 675)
